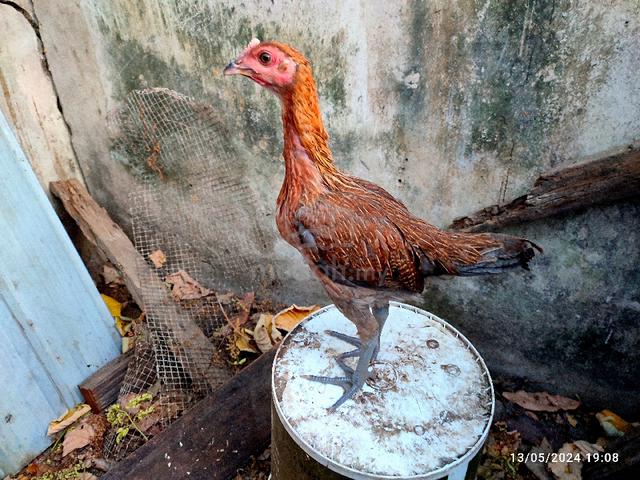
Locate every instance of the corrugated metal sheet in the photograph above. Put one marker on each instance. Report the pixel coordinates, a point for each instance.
(54, 328)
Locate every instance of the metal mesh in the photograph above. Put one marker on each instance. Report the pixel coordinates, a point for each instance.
(189, 200)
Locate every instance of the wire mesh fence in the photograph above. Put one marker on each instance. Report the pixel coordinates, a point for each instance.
(185, 192)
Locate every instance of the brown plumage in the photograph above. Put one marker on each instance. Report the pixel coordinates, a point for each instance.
(361, 242)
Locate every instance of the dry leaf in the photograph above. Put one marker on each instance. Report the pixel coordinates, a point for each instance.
(77, 438)
(123, 325)
(183, 287)
(614, 425)
(290, 317)
(158, 258)
(572, 420)
(68, 418)
(566, 470)
(114, 306)
(243, 342)
(588, 448)
(502, 442)
(265, 334)
(128, 343)
(541, 401)
(87, 476)
(111, 275)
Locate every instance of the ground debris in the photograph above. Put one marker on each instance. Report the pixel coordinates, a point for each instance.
(259, 468)
(541, 401)
(183, 287)
(76, 454)
(68, 418)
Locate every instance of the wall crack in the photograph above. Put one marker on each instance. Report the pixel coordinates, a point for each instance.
(35, 24)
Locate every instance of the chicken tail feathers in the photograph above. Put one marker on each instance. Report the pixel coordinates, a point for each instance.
(508, 252)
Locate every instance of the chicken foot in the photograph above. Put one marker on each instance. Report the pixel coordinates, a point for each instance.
(366, 352)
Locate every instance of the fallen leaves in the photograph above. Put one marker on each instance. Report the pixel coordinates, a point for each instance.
(183, 287)
(566, 470)
(77, 438)
(158, 258)
(68, 418)
(111, 276)
(266, 335)
(288, 318)
(541, 401)
(123, 324)
(114, 306)
(499, 449)
(612, 424)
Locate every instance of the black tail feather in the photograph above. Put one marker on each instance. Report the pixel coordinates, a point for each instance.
(512, 252)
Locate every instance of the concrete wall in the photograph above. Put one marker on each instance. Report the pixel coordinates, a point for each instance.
(450, 105)
(29, 100)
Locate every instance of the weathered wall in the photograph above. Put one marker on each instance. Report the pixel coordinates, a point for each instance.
(29, 100)
(449, 105)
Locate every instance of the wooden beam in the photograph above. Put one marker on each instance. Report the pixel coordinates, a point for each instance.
(212, 439)
(101, 230)
(102, 388)
(612, 178)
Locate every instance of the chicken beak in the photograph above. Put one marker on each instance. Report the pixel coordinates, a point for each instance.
(232, 69)
(235, 69)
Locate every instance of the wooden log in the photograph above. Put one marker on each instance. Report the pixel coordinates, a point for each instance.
(212, 439)
(102, 388)
(101, 230)
(605, 180)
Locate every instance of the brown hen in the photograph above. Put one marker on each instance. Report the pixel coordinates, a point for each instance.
(362, 243)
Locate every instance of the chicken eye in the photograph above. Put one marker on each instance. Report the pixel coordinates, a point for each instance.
(265, 58)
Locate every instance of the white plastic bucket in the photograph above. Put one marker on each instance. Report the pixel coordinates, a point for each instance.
(426, 416)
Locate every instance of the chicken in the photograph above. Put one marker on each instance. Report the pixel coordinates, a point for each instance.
(361, 242)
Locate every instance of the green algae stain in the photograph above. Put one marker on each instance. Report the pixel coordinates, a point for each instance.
(520, 57)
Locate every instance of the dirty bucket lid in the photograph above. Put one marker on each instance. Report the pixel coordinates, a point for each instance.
(427, 411)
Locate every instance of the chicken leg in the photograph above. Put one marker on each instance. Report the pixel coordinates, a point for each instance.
(366, 352)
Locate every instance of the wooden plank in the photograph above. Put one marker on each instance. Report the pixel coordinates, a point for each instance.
(612, 178)
(102, 388)
(56, 330)
(101, 230)
(212, 439)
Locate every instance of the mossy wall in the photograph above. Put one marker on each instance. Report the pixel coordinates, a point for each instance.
(450, 105)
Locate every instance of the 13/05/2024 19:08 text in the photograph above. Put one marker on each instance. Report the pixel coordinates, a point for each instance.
(564, 457)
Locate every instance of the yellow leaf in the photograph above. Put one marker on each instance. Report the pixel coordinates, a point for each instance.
(242, 343)
(67, 418)
(123, 325)
(292, 316)
(114, 306)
